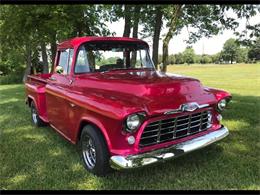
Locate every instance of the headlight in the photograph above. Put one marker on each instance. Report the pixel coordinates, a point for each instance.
(132, 122)
(222, 104)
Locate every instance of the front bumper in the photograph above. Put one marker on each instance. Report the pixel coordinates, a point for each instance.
(139, 160)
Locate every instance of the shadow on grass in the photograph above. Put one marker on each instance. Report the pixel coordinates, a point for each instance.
(38, 158)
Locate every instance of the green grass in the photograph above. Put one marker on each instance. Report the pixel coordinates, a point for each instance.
(38, 158)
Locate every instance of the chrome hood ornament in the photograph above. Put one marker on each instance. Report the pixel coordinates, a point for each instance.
(187, 107)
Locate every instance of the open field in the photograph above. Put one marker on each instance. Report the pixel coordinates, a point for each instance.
(38, 158)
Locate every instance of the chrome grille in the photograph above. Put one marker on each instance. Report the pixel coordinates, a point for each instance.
(174, 128)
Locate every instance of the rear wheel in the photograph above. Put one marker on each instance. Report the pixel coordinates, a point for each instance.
(35, 116)
(94, 152)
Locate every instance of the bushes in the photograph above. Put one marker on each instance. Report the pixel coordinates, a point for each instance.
(13, 77)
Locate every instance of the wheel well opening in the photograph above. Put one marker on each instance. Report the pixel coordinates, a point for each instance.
(83, 124)
(29, 101)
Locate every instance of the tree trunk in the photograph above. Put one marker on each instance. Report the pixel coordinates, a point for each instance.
(137, 10)
(135, 28)
(53, 51)
(156, 35)
(44, 58)
(28, 63)
(168, 37)
(127, 28)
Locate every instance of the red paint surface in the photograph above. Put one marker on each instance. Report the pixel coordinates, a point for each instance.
(106, 99)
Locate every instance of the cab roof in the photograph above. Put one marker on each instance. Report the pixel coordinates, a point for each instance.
(75, 42)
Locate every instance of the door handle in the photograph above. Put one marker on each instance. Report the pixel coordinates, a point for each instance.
(72, 105)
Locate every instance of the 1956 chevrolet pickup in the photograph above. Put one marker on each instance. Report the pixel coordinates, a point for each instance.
(106, 97)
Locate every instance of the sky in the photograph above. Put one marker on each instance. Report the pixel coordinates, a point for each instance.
(177, 44)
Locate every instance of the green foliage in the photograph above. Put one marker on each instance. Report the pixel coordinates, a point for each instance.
(110, 60)
(172, 59)
(11, 78)
(206, 59)
(189, 56)
(242, 55)
(230, 50)
(179, 59)
(216, 58)
(254, 51)
(25, 28)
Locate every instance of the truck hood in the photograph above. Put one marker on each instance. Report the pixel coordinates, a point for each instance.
(143, 90)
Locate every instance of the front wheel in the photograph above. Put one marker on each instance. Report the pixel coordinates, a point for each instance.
(35, 116)
(94, 152)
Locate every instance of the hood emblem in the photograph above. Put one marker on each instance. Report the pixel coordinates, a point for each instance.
(187, 107)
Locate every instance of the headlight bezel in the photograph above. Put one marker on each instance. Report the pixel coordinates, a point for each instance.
(140, 115)
(225, 101)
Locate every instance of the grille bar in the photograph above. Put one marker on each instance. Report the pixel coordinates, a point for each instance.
(174, 128)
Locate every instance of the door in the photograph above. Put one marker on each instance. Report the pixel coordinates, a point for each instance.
(56, 94)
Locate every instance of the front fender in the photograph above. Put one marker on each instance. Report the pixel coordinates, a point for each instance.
(95, 122)
(219, 93)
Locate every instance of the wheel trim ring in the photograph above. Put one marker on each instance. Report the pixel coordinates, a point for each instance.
(34, 115)
(89, 153)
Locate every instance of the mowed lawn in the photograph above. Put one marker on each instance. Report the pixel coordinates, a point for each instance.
(38, 158)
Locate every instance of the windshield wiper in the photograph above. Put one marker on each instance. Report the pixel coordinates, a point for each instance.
(116, 69)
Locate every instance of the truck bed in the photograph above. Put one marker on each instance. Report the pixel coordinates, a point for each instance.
(35, 91)
(39, 77)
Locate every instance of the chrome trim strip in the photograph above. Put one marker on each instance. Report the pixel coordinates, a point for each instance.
(134, 161)
(179, 110)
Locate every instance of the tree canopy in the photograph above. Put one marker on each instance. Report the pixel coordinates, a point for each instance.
(29, 33)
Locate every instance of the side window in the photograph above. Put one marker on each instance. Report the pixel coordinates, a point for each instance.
(71, 52)
(82, 65)
(65, 60)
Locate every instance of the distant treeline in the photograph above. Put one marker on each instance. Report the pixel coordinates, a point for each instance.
(231, 53)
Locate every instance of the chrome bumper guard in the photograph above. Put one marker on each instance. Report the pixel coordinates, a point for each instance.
(139, 160)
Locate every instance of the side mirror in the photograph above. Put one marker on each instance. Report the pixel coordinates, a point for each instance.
(59, 69)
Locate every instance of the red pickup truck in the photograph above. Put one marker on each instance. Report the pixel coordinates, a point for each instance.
(106, 96)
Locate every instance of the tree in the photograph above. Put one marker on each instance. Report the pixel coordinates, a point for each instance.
(175, 12)
(254, 50)
(136, 18)
(31, 28)
(171, 59)
(242, 55)
(230, 50)
(127, 17)
(156, 35)
(179, 59)
(216, 58)
(152, 21)
(206, 59)
(205, 20)
(189, 55)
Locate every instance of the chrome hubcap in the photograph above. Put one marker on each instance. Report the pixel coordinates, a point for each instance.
(34, 115)
(89, 152)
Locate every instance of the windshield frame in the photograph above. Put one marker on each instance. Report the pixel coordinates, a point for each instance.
(146, 48)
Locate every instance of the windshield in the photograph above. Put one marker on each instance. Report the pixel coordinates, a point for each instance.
(108, 56)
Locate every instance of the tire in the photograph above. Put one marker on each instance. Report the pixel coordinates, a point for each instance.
(94, 151)
(35, 116)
